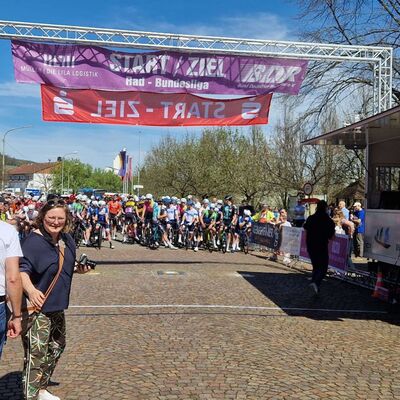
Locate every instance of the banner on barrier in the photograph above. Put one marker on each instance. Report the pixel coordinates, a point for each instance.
(135, 108)
(91, 67)
(338, 251)
(266, 235)
(291, 240)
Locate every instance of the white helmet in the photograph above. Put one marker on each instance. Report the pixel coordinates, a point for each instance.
(95, 203)
(135, 198)
(88, 201)
(35, 198)
(31, 206)
(102, 203)
(247, 213)
(183, 200)
(79, 197)
(197, 205)
(149, 196)
(212, 206)
(84, 197)
(206, 201)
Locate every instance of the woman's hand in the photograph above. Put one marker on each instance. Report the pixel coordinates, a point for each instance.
(82, 269)
(36, 297)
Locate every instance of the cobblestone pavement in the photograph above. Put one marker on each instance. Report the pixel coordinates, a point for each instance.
(255, 333)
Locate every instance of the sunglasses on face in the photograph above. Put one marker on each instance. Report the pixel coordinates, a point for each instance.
(56, 202)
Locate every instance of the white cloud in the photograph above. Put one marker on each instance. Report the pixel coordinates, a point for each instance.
(251, 26)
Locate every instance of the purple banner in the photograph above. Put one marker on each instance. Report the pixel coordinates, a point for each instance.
(90, 67)
(338, 251)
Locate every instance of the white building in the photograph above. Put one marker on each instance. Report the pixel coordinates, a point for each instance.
(32, 176)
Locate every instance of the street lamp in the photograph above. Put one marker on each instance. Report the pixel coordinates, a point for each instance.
(62, 169)
(4, 146)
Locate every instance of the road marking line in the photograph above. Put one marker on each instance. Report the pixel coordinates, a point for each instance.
(227, 307)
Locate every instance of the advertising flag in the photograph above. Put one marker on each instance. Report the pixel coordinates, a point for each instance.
(91, 67)
(122, 170)
(136, 108)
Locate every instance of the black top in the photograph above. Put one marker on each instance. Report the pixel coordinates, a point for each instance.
(320, 228)
(40, 262)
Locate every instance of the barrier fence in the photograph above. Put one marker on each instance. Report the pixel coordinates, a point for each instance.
(292, 240)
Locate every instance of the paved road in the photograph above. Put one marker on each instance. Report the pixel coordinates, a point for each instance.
(220, 327)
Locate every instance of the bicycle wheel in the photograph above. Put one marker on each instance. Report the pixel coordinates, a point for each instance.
(99, 239)
(78, 236)
(224, 243)
(187, 241)
(245, 244)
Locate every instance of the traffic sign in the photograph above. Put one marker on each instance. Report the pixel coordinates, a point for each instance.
(308, 188)
(137, 187)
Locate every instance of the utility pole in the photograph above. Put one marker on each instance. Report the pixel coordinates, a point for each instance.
(4, 146)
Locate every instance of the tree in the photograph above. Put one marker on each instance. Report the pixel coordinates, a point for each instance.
(328, 168)
(350, 22)
(220, 161)
(78, 175)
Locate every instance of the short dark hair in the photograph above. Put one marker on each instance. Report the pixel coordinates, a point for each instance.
(322, 206)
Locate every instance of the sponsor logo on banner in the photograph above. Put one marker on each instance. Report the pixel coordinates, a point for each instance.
(91, 67)
(338, 251)
(266, 235)
(136, 108)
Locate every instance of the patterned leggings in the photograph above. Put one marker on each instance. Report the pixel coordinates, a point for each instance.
(43, 343)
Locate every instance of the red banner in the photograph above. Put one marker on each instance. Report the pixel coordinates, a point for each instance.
(156, 109)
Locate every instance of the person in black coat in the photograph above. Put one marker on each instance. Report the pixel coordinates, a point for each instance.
(319, 229)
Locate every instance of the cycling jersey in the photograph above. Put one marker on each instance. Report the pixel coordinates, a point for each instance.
(245, 220)
(228, 212)
(190, 215)
(171, 213)
(156, 211)
(77, 208)
(114, 207)
(181, 209)
(207, 216)
(129, 207)
(102, 214)
(93, 212)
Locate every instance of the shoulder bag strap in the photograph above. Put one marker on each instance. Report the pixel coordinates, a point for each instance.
(61, 251)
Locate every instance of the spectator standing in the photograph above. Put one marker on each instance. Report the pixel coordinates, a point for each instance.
(264, 216)
(345, 211)
(10, 282)
(299, 214)
(3, 215)
(319, 229)
(46, 249)
(359, 222)
(284, 222)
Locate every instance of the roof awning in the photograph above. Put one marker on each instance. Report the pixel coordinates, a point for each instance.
(381, 127)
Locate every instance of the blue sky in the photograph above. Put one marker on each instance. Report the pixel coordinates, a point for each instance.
(98, 144)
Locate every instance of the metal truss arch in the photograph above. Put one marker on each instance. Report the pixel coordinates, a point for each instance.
(380, 57)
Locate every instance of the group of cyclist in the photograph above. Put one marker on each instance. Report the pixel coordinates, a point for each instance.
(168, 221)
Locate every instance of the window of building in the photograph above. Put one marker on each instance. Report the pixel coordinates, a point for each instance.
(387, 178)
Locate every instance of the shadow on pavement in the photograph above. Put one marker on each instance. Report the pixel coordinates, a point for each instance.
(337, 300)
(11, 387)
